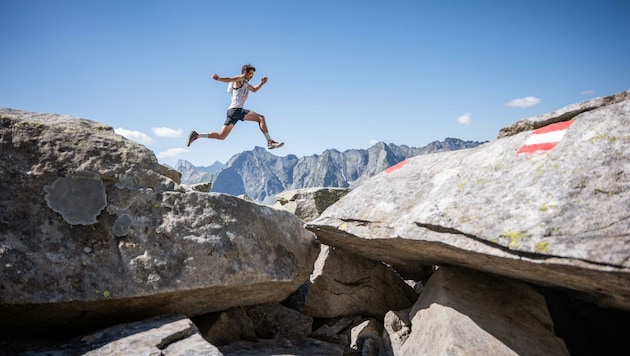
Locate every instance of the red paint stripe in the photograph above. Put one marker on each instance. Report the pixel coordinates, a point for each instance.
(537, 147)
(554, 127)
(397, 166)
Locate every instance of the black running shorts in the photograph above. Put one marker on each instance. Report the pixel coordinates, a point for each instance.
(234, 115)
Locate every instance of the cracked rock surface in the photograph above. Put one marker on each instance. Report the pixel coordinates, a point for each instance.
(92, 232)
(557, 218)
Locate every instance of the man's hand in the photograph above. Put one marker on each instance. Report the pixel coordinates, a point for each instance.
(215, 76)
(255, 88)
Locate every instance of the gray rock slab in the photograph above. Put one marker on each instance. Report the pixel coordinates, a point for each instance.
(144, 247)
(464, 312)
(558, 218)
(160, 335)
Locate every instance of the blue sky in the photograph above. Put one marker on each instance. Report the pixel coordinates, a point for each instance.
(343, 74)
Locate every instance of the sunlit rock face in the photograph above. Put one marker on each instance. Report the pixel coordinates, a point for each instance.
(91, 231)
(556, 216)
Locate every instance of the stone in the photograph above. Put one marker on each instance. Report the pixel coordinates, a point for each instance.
(202, 187)
(558, 218)
(563, 114)
(343, 284)
(332, 330)
(161, 335)
(309, 203)
(274, 321)
(366, 337)
(92, 234)
(226, 327)
(172, 173)
(464, 312)
(397, 327)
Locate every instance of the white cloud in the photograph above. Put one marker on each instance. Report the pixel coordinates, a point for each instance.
(588, 92)
(134, 136)
(172, 152)
(525, 102)
(166, 132)
(373, 142)
(465, 119)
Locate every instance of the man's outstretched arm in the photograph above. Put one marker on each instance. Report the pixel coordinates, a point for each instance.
(254, 88)
(227, 79)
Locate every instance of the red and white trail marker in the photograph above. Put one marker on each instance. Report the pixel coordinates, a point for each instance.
(397, 166)
(545, 138)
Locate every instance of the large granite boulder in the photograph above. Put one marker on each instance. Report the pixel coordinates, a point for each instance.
(92, 233)
(548, 206)
(463, 312)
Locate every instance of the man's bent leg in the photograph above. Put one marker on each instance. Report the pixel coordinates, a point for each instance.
(225, 131)
(252, 116)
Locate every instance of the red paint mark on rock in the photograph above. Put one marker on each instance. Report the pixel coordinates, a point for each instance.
(545, 138)
(397, 166)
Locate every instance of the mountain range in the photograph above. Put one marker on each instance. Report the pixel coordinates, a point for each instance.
(261, 175)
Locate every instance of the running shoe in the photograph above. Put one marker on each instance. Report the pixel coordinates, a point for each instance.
(191, 137)
(271, 144)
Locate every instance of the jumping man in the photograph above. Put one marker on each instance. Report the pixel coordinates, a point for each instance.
(239, 88)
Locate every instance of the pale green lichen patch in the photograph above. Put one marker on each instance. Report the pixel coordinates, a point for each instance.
(514, 237)
(33, 127)
(610, 139)
(546, 206)
(541, 247)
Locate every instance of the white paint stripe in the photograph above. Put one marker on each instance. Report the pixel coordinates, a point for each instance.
(553, 136)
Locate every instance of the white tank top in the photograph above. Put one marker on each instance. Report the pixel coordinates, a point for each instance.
(239, 95)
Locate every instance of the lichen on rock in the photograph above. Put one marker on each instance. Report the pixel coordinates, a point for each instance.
(121, 225)
(78, 198)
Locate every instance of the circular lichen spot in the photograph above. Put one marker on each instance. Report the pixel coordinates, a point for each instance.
(121, 225)
(78, 198)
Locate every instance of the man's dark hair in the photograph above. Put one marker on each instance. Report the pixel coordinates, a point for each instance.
(247, 67)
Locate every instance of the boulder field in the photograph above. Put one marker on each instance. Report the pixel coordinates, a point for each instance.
(518, 246)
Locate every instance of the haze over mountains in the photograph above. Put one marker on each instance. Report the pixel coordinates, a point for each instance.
(261, 175)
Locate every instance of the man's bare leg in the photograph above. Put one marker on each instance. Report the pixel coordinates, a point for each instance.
(225, 131)
(262, 123)
(252, 116)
